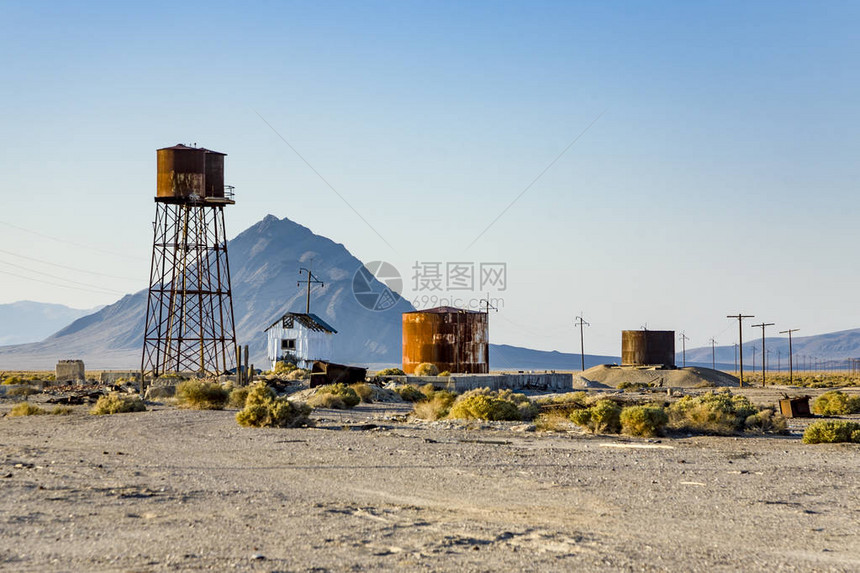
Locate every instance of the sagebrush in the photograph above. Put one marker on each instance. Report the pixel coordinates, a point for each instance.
(201, 395)
(115, 403)
(264, 409)
(831, 432)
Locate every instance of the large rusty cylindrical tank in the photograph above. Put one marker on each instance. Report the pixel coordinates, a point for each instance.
(214, 174)
(181, 172)
(648, 348)
(453, 339)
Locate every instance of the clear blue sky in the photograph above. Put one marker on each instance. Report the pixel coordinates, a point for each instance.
(722, 175)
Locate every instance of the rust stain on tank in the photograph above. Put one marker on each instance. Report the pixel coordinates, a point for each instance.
(647, 347)
(181, 172)
(453, 339)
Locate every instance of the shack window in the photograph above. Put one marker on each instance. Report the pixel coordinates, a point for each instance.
(288, 344)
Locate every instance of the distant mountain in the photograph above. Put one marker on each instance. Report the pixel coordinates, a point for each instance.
(505, 357)
(28, 321)
(264, 264)
(834, 348)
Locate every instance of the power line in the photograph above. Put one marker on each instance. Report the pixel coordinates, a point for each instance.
(77, 270)
(60, 278)
(57, 284)
(69, 242)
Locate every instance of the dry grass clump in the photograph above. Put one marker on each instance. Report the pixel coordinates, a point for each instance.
(836, 403)
(61, 411)
(364, 391)
(436, 404)
(22, 391)
(634, 386)
(25, 409)
(409, 393)
(264, 409)
(115, 403)
(445, 373)
(831, 432)
(553, 421)
(391, 372)
(604, 416)
(12, 380)
(338, 396)
(645, 421)
(426, 369)
(201, 395)
(238, 396)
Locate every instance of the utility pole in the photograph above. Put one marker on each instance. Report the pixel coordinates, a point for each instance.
(580, 322)
(684, 340)
(735, 345)
(487, 305)
(741, 317)
(754, 350)
(713, 354)
(763, 355)
(311, 280)
(779, 360)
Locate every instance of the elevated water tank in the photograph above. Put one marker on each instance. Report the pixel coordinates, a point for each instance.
(181, 172)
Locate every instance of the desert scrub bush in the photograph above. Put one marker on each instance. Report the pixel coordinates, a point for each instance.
(346, 394)
(25, 409)
(426, 369)
(283, 368)
(553, 421)
(445, 373)
(645, 421)
(22, 391)
(12, 380)
(364, 391)
(634, 386)
(115, 403)
(435, 406)
(298, 374)
(720, 413)
(238, 396)
(391, 372)
(766, 421)
(409, 393)
(604, 416)
(831, 432)
(484, 408)
(567, 401)
(836, 403)
(61, 411)
(264, 409)
(201, 395)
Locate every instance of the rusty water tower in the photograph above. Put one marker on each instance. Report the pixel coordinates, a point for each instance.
(189, 313)
(453, 339)
(648, 348)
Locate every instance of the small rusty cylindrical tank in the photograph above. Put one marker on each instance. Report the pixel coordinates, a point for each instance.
(453, 339)
(648, 348)
(214, 174)
(181, 172)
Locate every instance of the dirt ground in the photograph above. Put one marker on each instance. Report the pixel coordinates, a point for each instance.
(176, 490)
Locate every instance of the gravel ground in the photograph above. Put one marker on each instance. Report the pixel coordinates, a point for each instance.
(180, 490)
